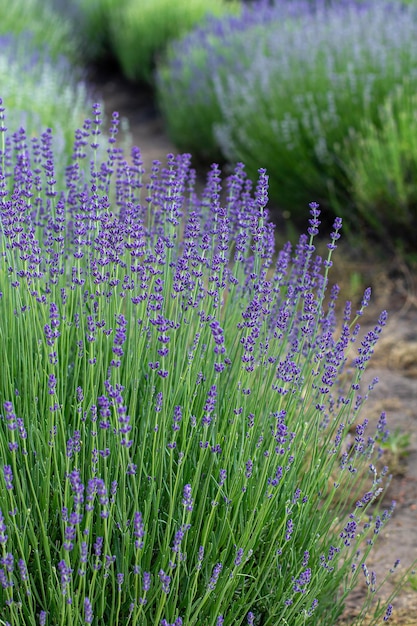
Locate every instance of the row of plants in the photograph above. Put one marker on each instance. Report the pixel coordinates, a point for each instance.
(324, 93)
(41, 79)
(321, 90)
(136, 34)
(177, 399)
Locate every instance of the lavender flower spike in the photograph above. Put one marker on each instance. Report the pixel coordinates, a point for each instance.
(187, 500)
(3, 536)
(215, 576)
(88, 611)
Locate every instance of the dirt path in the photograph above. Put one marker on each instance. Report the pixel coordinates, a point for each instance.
(394, 363)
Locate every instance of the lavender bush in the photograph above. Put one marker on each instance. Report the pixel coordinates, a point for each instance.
(136, 34)
(40, 93)
(41, 23)
(186, 82)
(92, 19)
(176, 401)
(381, 165)
(291, 88)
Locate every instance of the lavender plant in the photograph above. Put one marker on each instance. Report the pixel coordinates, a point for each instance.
(141, 32)
(381, 166)
(174, 433)
(186, 80)
(138, 33)
(93, 18)
(42, 93)
(291, 87)
(38, 20)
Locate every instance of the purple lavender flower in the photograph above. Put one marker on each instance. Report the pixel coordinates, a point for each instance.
(120, 336)
(88, 611)
(210, 404)
(51, 384)
(3, 536)
(146, 585)
(249, 468)
(302, 581)
(83, 552)
(103, 498)
(313, 607)
(215, 576)
(289, 531)
(158, 404)
(187, 500)
(21, 427)
(77, 487)
(5, 583)
(200, 557)
(165, 581)
(66, 574)
(349, 532)
(10, 416)
(179, 536)
(222, 477)
(24, 575)
(74, 444)
(8, 562)
(138, 530)
(368, 343)
(177, 418)
(69, 534)
(388, 613)
(8, 477)
(98, 547)
(277, 478)
(238, 557)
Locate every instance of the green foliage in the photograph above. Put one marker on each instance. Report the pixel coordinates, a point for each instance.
(396, 447)
(289, 90)
(136, 34)
(40, 93)
(193, 72)
(381, 164)
(94, 26)
(38, 20)
(141, 32)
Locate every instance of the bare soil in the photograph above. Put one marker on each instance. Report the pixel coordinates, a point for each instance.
(394, 361)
